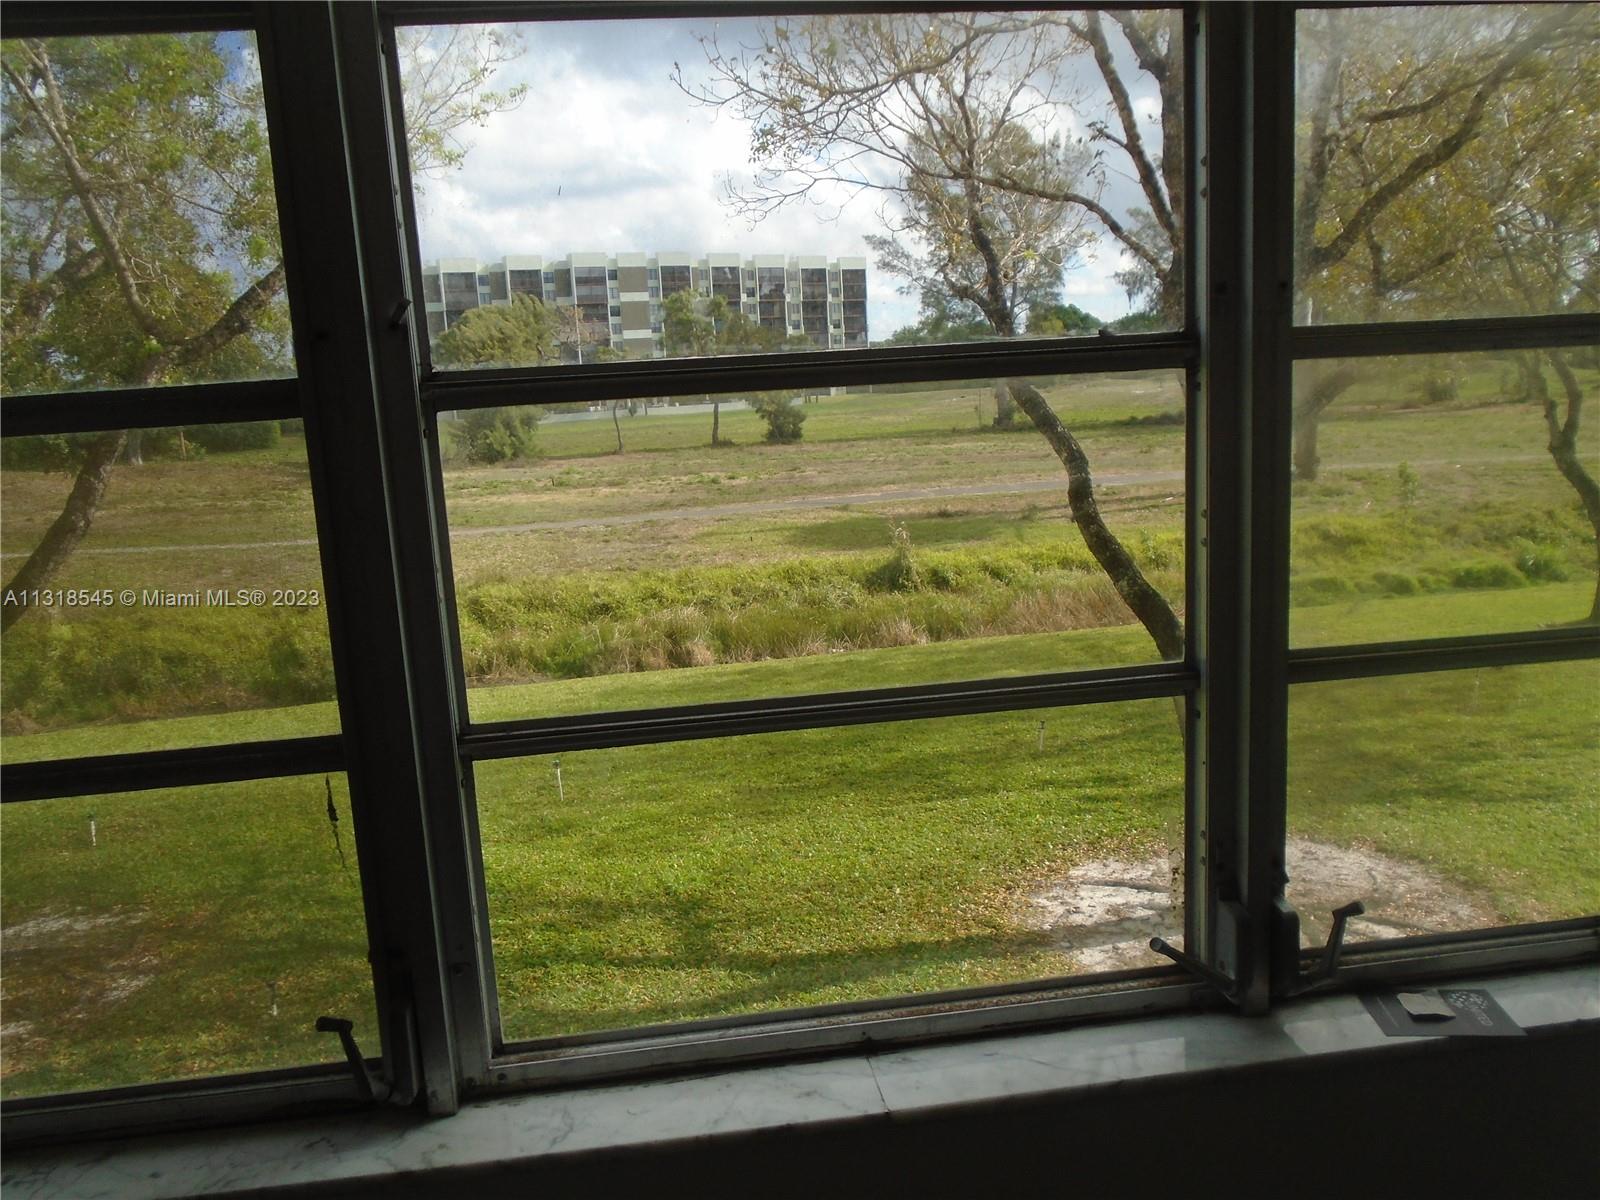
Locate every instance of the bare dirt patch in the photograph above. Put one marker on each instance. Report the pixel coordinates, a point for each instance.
(66, 966)
(1105, 912)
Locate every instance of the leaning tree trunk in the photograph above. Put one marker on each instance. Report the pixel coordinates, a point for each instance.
(1146, 603)
(1564, 449)
(1149, 605)
(1310, 402)
(67, 530)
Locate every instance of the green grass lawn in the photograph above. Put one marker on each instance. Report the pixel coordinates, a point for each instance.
(734, 875)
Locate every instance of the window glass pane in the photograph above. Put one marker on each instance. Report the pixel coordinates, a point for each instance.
(191, 613)
(697, 879)
(141, 232)
(1446, 162)
(901, 538)
(171, 934)
(805, 182)
(1452, 800)
(1443, 496)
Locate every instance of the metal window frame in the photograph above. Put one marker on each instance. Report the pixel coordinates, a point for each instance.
(326, 393)
(371, 405)
(1309, 665)
(445, 391)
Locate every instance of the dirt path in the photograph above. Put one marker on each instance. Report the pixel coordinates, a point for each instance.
(757, 507)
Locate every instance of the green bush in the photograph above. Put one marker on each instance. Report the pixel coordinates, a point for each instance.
(491, 435)
(899, 573)
(783, 416)
(1408, 485)
(1437, 387)
(47, 452)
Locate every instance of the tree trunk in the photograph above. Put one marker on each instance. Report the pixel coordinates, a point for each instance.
(716, 422)
(617, 423)
(67, 530)
(1149, 605)
(1564, 449)
(1005, 408)
(1310, 402)
(134, 452)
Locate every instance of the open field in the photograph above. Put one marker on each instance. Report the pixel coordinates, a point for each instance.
(733, 875)
(673, 554)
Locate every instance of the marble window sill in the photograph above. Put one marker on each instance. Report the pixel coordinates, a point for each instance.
(528, 1127)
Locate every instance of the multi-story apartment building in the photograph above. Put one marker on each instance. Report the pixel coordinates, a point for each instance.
(617, 298)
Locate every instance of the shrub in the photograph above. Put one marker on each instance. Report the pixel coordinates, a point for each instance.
(48, 452)
(491, 435)
(1437, 387)
(899, 574)
(1409, 484)
(783, 417)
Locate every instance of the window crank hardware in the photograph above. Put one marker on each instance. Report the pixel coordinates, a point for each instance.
(1228, 987)
(370, 1090)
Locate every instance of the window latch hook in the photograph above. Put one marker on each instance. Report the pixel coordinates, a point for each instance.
(1329, 966)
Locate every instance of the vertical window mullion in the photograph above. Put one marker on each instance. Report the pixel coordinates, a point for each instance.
(1245, 118)
(1269, 305)
(380, 174)
(354, 499)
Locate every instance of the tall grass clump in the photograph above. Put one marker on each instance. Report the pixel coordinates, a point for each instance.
(601, 623)
(131, 665)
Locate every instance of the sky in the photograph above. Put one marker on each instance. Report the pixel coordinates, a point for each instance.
(607, 154)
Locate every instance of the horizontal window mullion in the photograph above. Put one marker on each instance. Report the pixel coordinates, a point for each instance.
(1327, 663)
(150, 408)
(429, 12)
(1445, 337)
(452, 390)
(146, 770)
(553, 735)
(104, 19)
